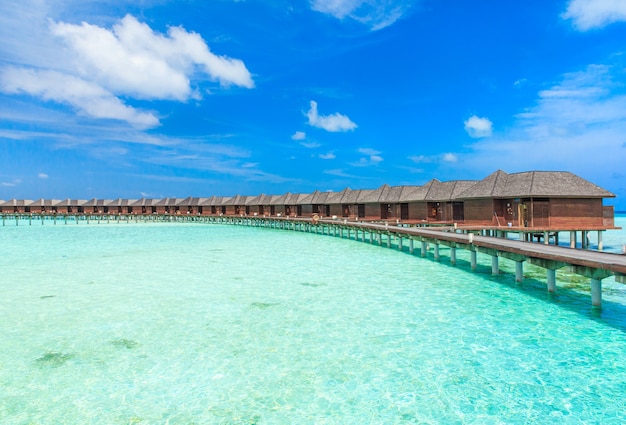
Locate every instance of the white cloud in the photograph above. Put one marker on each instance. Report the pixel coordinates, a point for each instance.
(89, 98)
(449, 157)
(132, 59)
(95, 66)
(373, 158)
(11, 183)
(298, 135)
(421, 159)
(368, 151)
(328, 155)
(42, 175)
(338, 172)
(478, 127)
(590, 14)
(376, 14)
(310, 145)
(334, 123)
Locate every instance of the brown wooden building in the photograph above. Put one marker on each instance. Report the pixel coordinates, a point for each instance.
(539, 199)
(533, 199)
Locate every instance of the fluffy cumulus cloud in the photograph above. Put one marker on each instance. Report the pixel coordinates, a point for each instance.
(589, 14)
(334, 123)
(132, 59)
(100, 65)
(376, 14)
(478, 127)
(42, 176)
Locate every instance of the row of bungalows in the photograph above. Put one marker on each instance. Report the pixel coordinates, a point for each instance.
(538, 199)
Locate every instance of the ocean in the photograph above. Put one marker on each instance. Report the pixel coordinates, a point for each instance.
(189, 323)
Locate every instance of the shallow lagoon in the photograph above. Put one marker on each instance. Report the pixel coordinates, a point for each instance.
(193, 323)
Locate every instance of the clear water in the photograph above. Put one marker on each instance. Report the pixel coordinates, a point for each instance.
(209, 324)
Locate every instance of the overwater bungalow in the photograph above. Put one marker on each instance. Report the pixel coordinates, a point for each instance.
(43, 206)
(442, 203)
(143, 206)
(71, 206)
(190, 205)
(167, 206)
(13, 206)
(96, 206)
(540, 199)
(121, 206)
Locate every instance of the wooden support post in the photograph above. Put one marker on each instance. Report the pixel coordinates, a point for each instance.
(436, 252)
(400, 243)
(551, 276)
(388, 240)
(600, 245)
(423, 252)
(572, 239)
(546, 238)
(495, 269)
(380, 239)
(452, 255)
(596, 293)
(411, 247)
(473, 261)
(519, 271)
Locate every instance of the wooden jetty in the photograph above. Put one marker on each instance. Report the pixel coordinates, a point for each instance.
(594, 265)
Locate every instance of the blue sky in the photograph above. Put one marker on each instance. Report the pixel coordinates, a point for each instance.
(161, 98)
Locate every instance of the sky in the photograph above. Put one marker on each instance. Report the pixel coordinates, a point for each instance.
(157, 98)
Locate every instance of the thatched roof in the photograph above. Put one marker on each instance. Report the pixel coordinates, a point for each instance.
(320, 198)
(44, 203)
(415, 193)
(279, 199)
(97, 202)
(351, 196)
(188, 202)
(144, 202)
(121, 202)
(372, 196)
(166, 202)
(336, 197)
(553, 184)
(206, 202)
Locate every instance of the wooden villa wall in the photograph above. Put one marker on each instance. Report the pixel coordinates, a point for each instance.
(335, 209)
(608, 213)
(574, 213)
(479, 212)
(306, 210)
(372, 211)
(418, 211)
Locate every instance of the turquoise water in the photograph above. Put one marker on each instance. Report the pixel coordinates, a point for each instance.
(210, 324)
